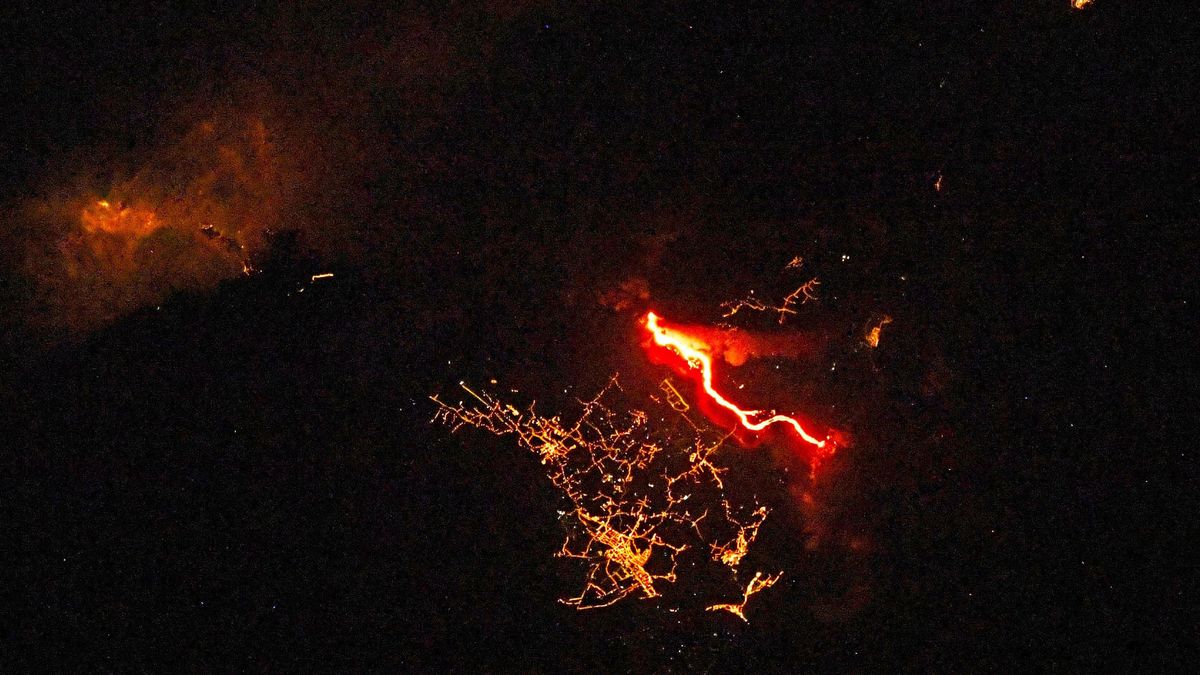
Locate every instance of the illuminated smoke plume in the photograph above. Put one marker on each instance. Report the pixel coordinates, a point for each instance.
(194, 212)
(639, 494)
(289, 138)
(736, 346)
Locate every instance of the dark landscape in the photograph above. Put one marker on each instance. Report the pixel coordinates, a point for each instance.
(219, 444)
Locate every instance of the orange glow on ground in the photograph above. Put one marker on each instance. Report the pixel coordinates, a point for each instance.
(697, 354)
(876, 331)
(103, 216)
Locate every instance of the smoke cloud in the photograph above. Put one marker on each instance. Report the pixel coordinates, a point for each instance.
(292, 135)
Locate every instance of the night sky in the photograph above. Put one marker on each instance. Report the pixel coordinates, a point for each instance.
(213, 460)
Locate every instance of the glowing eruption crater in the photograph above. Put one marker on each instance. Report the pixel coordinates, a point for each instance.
(697, 354)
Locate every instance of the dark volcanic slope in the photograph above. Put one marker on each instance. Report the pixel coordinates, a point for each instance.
(250, 478)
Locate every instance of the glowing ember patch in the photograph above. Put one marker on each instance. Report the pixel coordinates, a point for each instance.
(103, 216)
(758, 583)
(872, 337)
(1080, 4)
(697, 354)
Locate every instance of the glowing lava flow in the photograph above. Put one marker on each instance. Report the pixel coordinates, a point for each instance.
(695, 352)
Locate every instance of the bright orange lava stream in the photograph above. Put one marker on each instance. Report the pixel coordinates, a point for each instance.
(695, 352)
